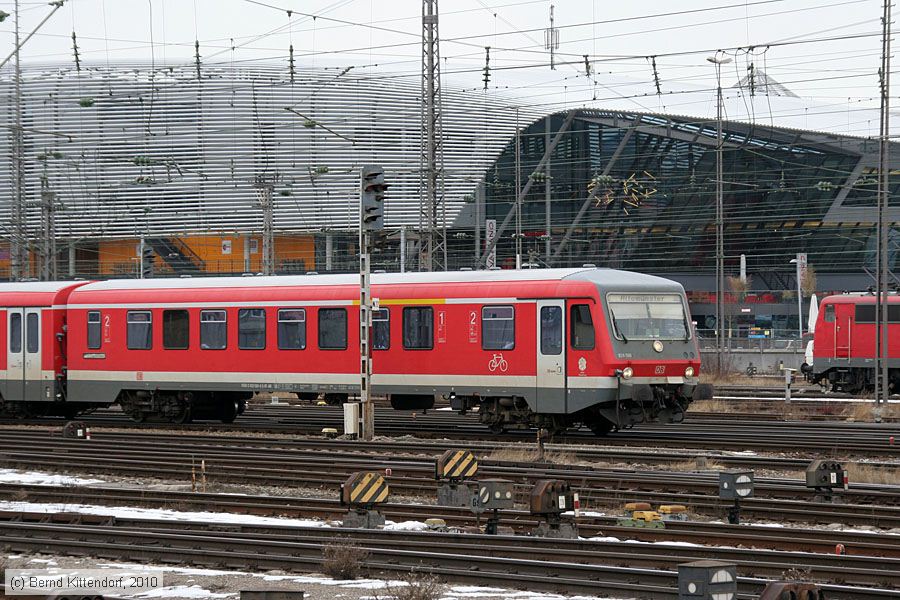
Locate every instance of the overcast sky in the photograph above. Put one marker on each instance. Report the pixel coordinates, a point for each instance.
(835, 78)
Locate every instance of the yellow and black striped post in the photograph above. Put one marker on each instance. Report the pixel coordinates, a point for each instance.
(364, 489)
(456, 465)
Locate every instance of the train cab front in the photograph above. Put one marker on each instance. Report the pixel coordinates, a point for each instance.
(655, 358)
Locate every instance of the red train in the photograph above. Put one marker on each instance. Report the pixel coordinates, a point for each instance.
(843, 354)
(551, 348)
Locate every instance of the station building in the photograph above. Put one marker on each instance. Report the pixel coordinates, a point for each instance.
(182, 159)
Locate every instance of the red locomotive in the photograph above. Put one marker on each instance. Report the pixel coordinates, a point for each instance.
(548, 348)
(843, 354)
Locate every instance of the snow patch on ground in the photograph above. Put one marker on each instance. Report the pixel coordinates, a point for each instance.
(405, 526)
(127, 512)
(38, 478)
(182, 591)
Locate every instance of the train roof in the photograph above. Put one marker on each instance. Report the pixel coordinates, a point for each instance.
(36, 293)
(858, 298)
(603, 277)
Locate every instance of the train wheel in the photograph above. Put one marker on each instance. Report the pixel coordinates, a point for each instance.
(138, 417)
(601, 428)
(184, 417)
(497, 428)
(229, 412)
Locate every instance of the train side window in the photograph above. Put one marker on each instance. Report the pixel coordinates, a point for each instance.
(498, 328)
(333, 328)
(381, 329)
(93, 330)
(418, 328)
(582, 333)
(176, 329)
(291, 329)
(865, 313)
(15, 333)
(251, 329)
(894, 313)
(213, 329)
(829, 313)
(32, 333)
(139, 335)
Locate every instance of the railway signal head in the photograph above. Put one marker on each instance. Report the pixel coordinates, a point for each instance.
(707, 580)
(735, 485)
(372, 199)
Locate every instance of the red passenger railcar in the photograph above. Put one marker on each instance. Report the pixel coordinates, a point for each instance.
(33, 359)
(549, 348)
(844, 344)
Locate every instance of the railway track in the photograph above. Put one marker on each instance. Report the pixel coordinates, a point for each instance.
(582, 566)
(716, 433)
(864, 543)
(263, 461)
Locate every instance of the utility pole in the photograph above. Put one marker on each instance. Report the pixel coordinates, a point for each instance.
(433, 210)
(882, 380)
(18, 243)
(264, 187)
(518, 197)
(720, 218)
(48, 230)
(371, 221)
(551, 41)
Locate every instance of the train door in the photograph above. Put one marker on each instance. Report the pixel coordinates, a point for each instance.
(842, 329)
(551, 356)
(15, 355)
(33, 379)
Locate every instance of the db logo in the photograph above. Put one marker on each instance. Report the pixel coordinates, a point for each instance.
(660, 369)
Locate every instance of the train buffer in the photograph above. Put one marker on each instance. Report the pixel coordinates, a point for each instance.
(362, 492)
(455, 469)
(550, 498)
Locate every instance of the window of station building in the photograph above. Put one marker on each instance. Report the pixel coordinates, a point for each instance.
(381, 329)
(418, 328)
(213, 329)
(176, 329)
(94, 336)
(139, 335)
(32, 333)
(333, 328)
(498, 328)
(865, 313)
(251, 329)
(15, 333)
(582, 331)
(829, 313)
(291, 329)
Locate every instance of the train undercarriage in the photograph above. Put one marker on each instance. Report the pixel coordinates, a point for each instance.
(851, 380)
(182, 406)
(649, 403)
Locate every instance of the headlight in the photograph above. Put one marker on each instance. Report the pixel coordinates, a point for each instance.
(627, 372)
(689, 372)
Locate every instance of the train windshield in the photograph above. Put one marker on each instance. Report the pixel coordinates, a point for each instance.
(648, 316)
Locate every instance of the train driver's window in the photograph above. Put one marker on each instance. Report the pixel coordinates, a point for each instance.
(176, 329)
(93, 330)
(251, 329)
(551, 330)
(418, 328)
(139, 334)
(381, 329)
(291, 329)
(213, 329)
(333, 328)
(829, 313)
(498, 328)
(582, 327)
